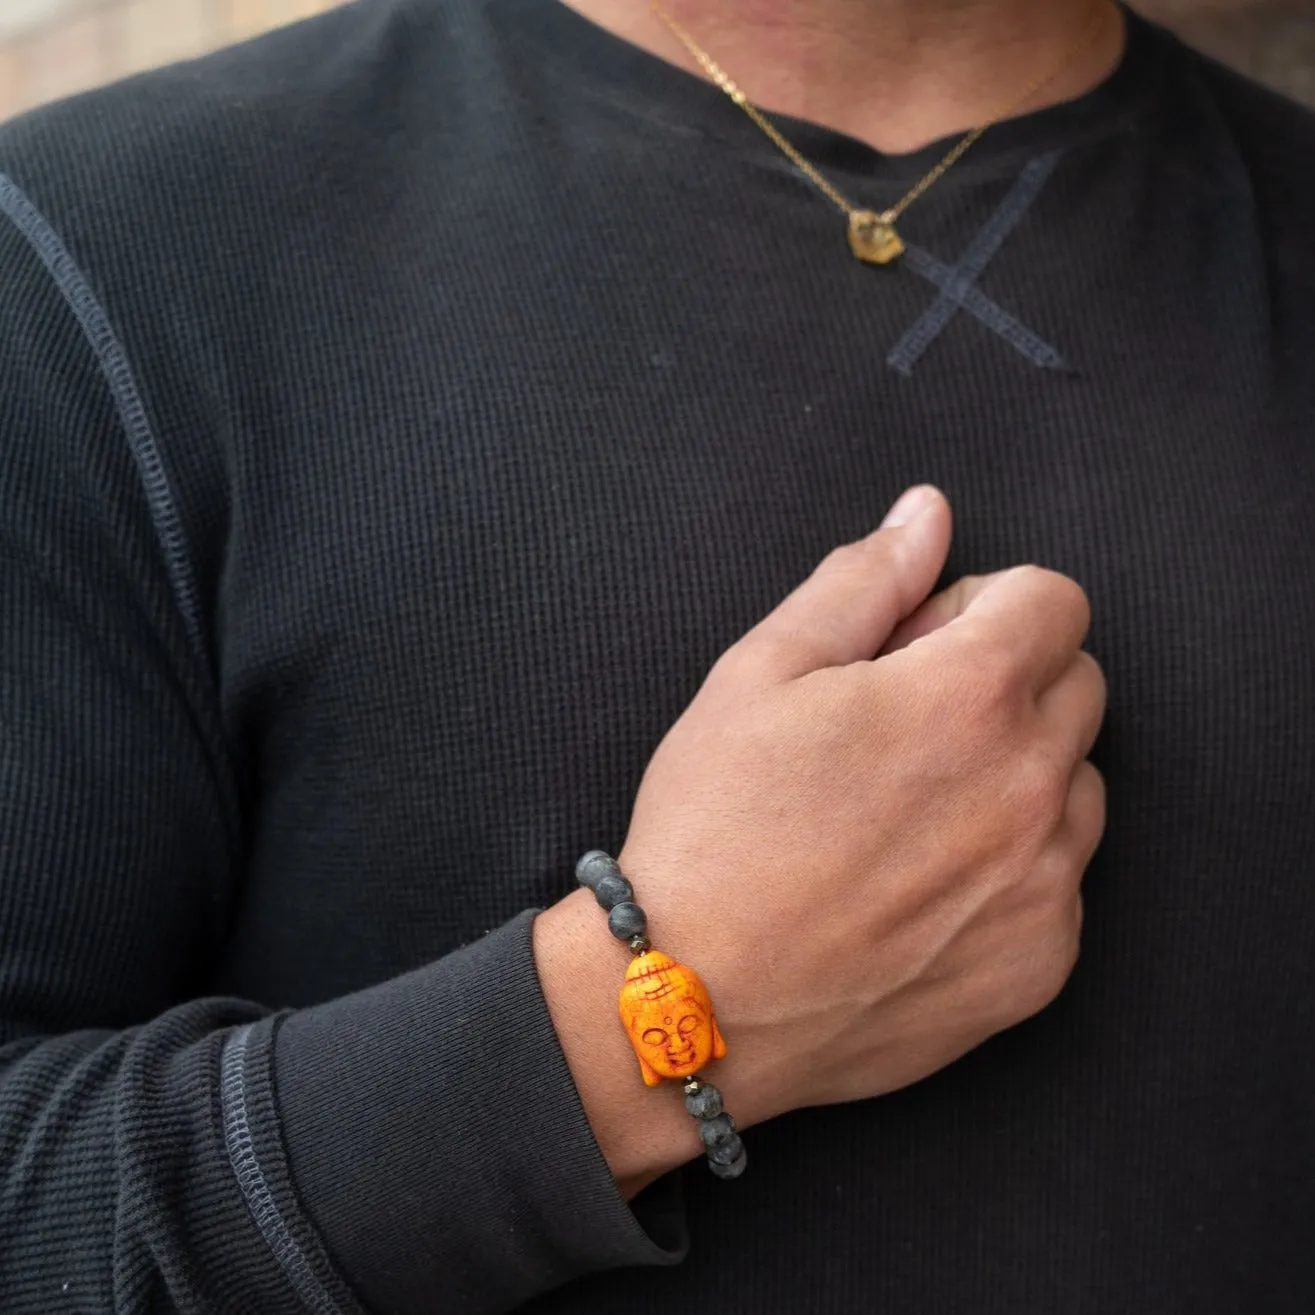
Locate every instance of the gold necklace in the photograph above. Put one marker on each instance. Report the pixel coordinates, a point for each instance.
(872, 234)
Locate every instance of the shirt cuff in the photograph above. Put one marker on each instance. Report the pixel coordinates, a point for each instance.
(437, 1142)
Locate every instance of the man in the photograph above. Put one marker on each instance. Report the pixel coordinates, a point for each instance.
(419, 420)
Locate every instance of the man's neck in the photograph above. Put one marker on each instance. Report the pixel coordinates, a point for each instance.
(895, 73)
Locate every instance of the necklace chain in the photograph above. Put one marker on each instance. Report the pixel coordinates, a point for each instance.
(887, 218)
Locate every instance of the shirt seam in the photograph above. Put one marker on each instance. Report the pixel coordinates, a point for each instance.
(239, 1142)
(116, 369)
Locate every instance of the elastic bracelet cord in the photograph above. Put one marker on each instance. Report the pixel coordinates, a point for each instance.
(667, 1014)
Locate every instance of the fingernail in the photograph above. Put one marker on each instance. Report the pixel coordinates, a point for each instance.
(910, 505)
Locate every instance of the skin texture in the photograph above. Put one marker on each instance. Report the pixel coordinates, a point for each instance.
(897, 74)
(904, 777)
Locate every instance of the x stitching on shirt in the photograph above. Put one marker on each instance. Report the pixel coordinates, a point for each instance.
(958, 283)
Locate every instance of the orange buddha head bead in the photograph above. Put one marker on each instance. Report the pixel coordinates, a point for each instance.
(667, 1014)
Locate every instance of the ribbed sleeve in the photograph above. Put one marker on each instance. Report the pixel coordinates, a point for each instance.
(142, 1132)
(433, 1129)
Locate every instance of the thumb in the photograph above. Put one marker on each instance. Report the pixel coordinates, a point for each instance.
(845, 611)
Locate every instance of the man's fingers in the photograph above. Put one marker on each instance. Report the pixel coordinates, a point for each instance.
(1084, 817)
(1074, 706)
(940, 609)
(1036, 618)
(845, 611)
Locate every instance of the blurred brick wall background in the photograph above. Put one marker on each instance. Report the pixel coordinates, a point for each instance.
(1273, 40)
(51, 48)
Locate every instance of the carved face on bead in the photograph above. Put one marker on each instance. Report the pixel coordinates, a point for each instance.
(667, 1014)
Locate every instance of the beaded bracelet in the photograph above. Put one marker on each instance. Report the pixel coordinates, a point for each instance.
(667, 1014)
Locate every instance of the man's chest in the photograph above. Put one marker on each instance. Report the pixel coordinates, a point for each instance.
(453, 666)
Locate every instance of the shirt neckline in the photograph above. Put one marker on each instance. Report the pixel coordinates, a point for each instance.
(596, 63)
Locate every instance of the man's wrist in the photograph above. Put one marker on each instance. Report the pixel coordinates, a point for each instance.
(642, 1132)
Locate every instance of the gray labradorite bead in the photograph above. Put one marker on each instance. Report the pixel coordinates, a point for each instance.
(732, 1170)
(718, 1131)
(613, 889)
(705, 1103)
(627, 921)
(593, 867)
(727, 1153)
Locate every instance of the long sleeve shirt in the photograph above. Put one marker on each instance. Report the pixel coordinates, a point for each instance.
(398, 415)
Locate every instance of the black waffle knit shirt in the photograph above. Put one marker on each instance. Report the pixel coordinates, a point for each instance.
(398, 415)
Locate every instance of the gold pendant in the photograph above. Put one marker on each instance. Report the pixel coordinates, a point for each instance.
(872, 237)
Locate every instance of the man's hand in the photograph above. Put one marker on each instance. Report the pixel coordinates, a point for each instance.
(873, 861)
